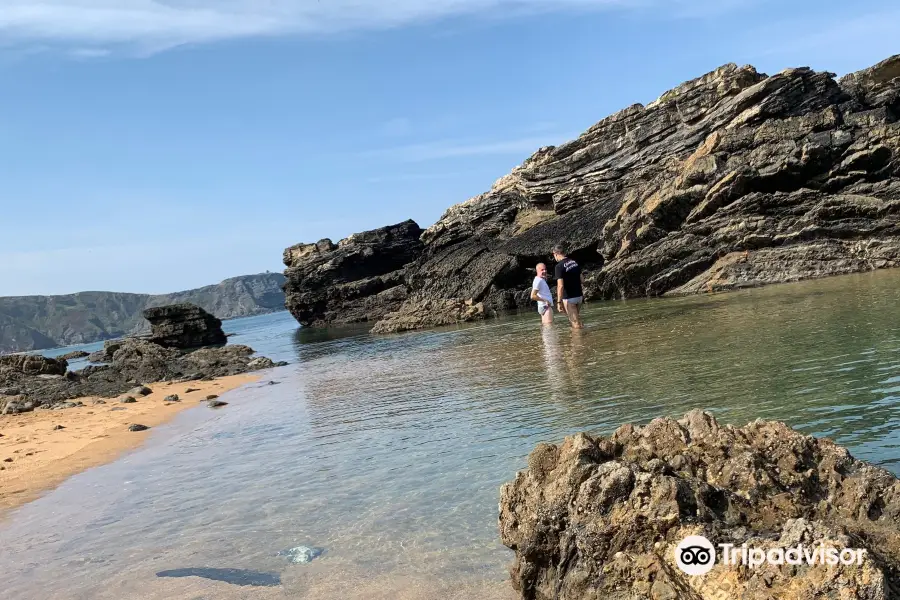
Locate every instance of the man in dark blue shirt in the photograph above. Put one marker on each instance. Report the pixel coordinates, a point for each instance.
(569, 281)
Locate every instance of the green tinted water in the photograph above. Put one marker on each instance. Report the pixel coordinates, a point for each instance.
(389, 451)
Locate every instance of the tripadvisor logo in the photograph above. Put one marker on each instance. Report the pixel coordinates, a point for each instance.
(695, 555)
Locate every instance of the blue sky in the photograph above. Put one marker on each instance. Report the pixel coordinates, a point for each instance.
(152, 146)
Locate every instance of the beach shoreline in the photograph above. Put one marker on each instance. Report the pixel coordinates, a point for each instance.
(36, 457)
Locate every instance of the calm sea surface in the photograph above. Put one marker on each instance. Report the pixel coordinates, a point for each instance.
(389, 451)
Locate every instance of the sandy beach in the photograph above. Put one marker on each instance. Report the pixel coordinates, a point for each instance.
(35, 456)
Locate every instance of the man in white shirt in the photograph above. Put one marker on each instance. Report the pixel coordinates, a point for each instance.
(540, 292)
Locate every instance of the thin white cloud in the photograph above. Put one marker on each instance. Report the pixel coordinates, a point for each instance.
(153, 25)
(396, 127)
(851, 41)
(406, 177)
(444, 149)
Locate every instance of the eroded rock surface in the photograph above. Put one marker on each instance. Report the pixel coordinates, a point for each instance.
(31, 382)
(600, 518)
(184, 326)
(361, 278)
(733, 179)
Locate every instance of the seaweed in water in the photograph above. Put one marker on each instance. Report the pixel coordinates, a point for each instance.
(233, 576)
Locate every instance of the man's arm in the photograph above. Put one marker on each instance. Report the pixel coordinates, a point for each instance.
(559, 291)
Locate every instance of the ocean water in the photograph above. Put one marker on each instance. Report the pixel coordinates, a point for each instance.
(388, 452)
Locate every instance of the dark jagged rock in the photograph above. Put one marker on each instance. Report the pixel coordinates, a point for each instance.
(730, 180)
(184, 326)
(33, 365)
(361, 278)
(600, 517)
(36, 322)
(74, 355)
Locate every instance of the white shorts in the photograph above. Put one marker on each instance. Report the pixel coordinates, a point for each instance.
(575, 301)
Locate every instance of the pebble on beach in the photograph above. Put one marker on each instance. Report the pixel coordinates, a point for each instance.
(212, 396)
(172, 398)
(58, 427)
(137, 427)
(216, 403)
(127, 400)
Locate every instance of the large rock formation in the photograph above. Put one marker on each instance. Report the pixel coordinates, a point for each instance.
(601, 518)
(184, 326)
(733, 179)
(188, 344)
(359, 279)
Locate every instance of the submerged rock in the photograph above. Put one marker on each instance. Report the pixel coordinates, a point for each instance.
(602, 517)
(184, 326)
(302, 554)
(233, 576)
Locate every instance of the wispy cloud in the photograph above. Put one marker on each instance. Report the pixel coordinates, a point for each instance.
(443, 149)
(153, 25)
(396, 127)
(406, 177)
(853, 41)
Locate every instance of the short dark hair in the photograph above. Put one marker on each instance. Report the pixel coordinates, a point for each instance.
(558, 249)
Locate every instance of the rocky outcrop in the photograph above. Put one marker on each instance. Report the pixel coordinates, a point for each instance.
(361, 278)
(733, 179)
(31, 382)
(37, 322)
(601, 517)
(33, 365)
(184, 326)
(416, 314)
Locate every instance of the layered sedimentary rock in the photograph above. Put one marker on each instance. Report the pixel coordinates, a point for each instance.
(601, 517)
(729, 180)
(184, 326)
(361, 278)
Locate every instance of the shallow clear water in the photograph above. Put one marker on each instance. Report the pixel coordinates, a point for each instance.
(389, 451)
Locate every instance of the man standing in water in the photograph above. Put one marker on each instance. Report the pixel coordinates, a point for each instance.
(540, 291)
(569, 282)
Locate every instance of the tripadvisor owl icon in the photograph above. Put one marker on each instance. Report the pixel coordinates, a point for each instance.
(695, 555)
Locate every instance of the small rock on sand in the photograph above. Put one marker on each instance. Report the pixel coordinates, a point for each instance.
(137, 427)
(216, 403)
(7, 460)
(99, 402)
(172, 398)
(189, 390)
(127, 400)
(141, 390)
(212, 396)
(58, 427)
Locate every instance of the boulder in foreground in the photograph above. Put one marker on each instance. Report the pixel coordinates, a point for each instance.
(184, 326)
(602, 517)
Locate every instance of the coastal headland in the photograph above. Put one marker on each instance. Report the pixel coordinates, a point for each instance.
(733, 179)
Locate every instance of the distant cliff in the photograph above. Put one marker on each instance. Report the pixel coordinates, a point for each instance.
(37, 322)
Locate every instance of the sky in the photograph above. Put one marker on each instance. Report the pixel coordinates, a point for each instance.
(150, 146)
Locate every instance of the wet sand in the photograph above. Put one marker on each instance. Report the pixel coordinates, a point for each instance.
(43, 457)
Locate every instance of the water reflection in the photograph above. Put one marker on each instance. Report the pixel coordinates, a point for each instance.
(389, 450)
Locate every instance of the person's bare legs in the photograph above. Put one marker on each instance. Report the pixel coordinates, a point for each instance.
(547, 317)
(573, 311)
